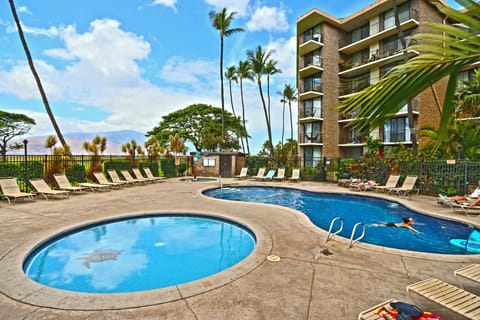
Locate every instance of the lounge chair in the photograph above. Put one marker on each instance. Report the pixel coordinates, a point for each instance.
(95, 186)
(369, 314)
(407, 187)
(457, 300)
(150, 175)
(471, 208)
(129, 177)
(243, 173)
(43, 189)
(280, 175)
(269, 176)
(260, 174)
(64, 184)
(365, 186)
(471, 273)
(392, 182)
(295, 175)
(103, 181)
(115, 178)
(140, 176)
(11, 191)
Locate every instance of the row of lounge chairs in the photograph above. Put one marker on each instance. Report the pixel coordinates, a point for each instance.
(468, 206)
(11, 191)
(458, 301)
(270, 175)
(405, 190)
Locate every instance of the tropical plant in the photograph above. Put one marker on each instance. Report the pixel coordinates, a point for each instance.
(231, 75)
(270, 69)
(35, 75)
(290, 95)
(176, 145)
(221, 21)
(153, 148)
(244, 71)
(96, 149)
(132, 149)
(11, 126)
(443, 54)
(258, 60)
(468, 97)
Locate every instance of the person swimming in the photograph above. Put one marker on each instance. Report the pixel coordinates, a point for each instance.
(407, 222)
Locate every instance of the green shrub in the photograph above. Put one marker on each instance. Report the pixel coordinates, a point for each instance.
(168, 167)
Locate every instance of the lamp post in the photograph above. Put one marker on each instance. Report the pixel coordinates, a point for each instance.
(25, 142)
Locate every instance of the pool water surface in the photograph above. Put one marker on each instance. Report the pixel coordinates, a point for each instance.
(322, 208)
(140, 253)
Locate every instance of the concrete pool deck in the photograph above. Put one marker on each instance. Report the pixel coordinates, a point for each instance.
(304, 284)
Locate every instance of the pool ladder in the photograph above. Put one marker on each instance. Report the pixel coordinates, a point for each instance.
(352, 241)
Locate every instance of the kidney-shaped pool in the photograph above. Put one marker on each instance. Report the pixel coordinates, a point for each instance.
(434, 233)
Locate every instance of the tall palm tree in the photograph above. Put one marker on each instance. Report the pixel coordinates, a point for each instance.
(258, 60)
(36, 76)
(290, 95)
(244, 71)
(231, 75)
(452, 48)
(270, 69)
(221, 21)
(283, 101)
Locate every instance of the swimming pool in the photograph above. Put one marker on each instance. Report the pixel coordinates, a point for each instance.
(198, 179)
(321, 208)
(139, 253)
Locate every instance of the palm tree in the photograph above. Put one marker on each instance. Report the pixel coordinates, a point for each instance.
(468, 97)
(221, 21)
(270, 69)
(231, 75)
(244, 71)
(290, 95)
(283, 101)
(258, 60)
(36, 76)
(447, 52)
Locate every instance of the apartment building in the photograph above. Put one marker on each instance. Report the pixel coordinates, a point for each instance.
(337, 57)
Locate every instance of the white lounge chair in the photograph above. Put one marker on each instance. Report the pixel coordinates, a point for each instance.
(115, 178)
(64, 184)
(260, 174)
(295, 175)
(280, 175)
(11, 191)
(369, 314)
(243, 173)
(150, 175)
(138, 174)
(470, 272)
(129, 177)
(101, 179)
(43, 189)
(407, 187)
(269, 176)
(392, 182)
(457, 300)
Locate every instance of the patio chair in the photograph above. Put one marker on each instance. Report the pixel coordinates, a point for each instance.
(115, 178)
(260, 174)
(243, 173)
(471, 208)
(269, 176)
(471, 273)
(370, 313)
(407, 187)
(295, 175)
(11, 191)
(280, 175)
(150, 175)
(138, 174)
(64, 184)
(43, 189)
(457, 300)
(129, 177)
(95, 186)
(101, 179)
(392, 182)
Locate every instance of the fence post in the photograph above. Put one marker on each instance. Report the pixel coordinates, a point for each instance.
(25, 142)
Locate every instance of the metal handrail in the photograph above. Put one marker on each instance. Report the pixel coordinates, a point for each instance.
(352, 241)
(330, 234)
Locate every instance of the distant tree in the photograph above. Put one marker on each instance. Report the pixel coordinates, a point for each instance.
(176, 145)
(270, 69)
(50, 143)
(244, 71)
(132, 149)
(12, 125)
(96, 149)
(35, 75)
(231, 75)
(290, 95)
(154, 150)
(198, 124)
(221, 21)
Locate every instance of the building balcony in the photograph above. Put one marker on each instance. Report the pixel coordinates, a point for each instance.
(310, 139)
(309, 67)
(348, 47)
(310, 92)
(310, 44)
(309, 114)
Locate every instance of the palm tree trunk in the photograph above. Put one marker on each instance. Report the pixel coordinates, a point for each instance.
(283, 121)
(234, 114)
(269, 130)
(401, 36)
(243, 117)
(36, 76)
(291, 124)
(221, 90)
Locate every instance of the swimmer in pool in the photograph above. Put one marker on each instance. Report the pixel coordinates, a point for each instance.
(407, 222)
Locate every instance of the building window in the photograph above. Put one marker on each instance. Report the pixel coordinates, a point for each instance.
(311, 132)
(313, 34)
(360, 33)
(312, 108)
(311, 156)
(396, 130)
(312, 58)
(313, 83)
(360, 57)
(403, 15)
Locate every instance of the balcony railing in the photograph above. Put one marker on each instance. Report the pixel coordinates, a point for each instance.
(311, 113)
(310, 86)
(312, 137)
(311, 61)
(317, 38)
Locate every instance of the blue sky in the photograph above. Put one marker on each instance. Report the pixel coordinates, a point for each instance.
(121, 65)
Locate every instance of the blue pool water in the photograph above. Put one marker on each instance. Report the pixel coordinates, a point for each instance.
(321, 208)
(139, 254)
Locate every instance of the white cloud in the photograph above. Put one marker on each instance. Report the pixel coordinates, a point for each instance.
(194, 72)
(24, 9)
(50, 32)
(167, 3)
(238, 6)
(285, 54)
(269, 19)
